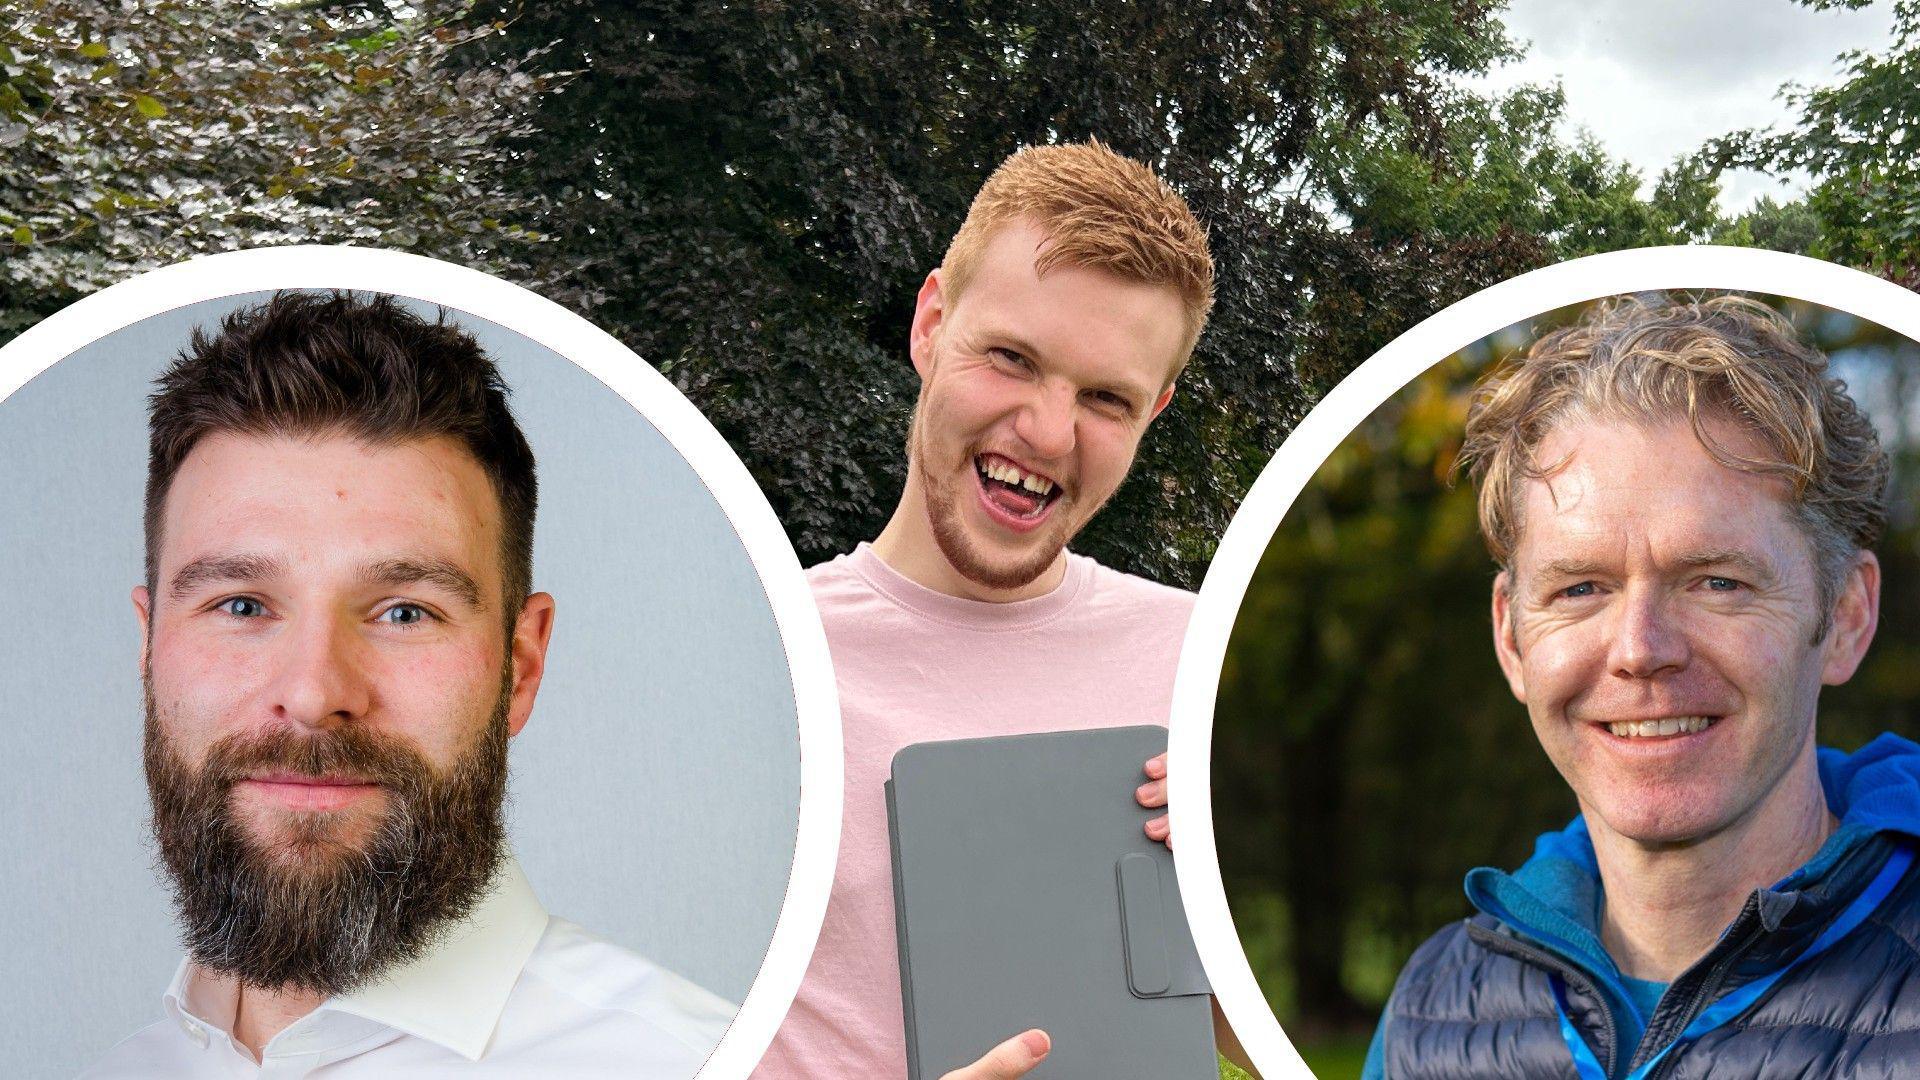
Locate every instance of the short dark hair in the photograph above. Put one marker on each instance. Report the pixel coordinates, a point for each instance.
(306, 363)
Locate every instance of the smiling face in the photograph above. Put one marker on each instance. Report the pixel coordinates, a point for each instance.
(1658, 622)
(331, 683)
(1035, 391)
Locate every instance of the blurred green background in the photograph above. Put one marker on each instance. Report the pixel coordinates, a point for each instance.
(1367, 752)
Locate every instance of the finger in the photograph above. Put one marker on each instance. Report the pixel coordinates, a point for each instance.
(1159, 828)
(1010, 1060)
(1156, 767)
(1151, 793)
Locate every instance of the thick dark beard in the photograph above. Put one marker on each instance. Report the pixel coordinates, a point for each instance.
(944, 519)
(312, 913)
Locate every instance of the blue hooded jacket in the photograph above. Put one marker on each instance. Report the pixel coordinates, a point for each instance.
(1818, 975)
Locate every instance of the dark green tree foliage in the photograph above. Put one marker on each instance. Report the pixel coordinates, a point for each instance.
(1791, 226)
(1508, 170)
(1362, 736)
(1487, 190)
(757, 191)
(136, 133)
(1860, 139)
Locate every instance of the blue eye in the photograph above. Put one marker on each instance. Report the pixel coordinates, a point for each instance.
(1721, 584)
(1585, 588)
(405, 614)
(243, 607)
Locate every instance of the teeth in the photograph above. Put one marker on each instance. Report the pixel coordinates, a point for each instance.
(1010, 474)
(1645, 729)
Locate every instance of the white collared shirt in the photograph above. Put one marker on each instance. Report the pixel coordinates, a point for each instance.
(507, 992)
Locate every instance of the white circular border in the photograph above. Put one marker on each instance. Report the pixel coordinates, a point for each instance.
(661, 404)
(1301, 455)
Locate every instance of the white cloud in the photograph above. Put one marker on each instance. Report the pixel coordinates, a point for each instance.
(1654, 79)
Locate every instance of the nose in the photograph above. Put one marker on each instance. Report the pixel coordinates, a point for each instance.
(1646, 640)
(1046, 423)
(319, 682)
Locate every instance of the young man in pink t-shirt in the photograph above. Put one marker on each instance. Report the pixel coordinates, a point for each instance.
(1047, 340)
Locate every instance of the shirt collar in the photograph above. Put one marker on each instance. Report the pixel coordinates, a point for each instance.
(453, 994)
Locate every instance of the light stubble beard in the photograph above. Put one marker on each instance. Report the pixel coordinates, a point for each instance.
(309, 912)
(943, 517)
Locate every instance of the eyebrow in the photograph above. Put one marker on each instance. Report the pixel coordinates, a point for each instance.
(223, 568)
(1693, 560)
(412, 571)
(1007, 339)
(1135, 393)
(1563, 568)
(1739, 560)
(388, 572)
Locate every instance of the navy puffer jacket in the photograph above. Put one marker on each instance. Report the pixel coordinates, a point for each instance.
(1818, 976)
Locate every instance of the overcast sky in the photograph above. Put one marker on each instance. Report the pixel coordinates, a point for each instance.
(1653, 79)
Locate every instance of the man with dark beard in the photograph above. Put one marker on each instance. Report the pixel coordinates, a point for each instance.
(339, 637)
(1048, 339)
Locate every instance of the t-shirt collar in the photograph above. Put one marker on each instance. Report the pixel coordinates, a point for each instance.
(967, 613)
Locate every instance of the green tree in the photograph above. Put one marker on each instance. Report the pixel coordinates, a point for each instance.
(765, 186)
(1790, 226)
(1503, 167)
(138, 134)
(1487, 190)
(1860, 139)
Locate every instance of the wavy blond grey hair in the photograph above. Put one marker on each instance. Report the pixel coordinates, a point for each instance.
(1724, 356)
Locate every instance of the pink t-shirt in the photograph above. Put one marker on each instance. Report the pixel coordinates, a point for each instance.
(915, 665)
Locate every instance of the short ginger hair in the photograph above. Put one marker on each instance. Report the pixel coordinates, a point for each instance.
(1100, 210)
(1724, 357)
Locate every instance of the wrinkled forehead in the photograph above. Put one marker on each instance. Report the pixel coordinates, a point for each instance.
(1600, 482)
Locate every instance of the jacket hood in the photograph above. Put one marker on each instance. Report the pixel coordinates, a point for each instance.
(1871, 791)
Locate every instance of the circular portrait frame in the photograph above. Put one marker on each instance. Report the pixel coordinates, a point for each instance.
(659, 403)
(1294, 465)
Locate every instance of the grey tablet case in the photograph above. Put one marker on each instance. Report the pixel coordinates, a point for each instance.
(1027, 896)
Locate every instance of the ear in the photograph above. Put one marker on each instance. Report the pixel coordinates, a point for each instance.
(531, 632)
(1160, 403)
(928, 309)
(143, 612)
(1856, 615)
(1506, 643)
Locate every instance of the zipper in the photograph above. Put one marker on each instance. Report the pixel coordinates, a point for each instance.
(1539, 957)
(1708, 990)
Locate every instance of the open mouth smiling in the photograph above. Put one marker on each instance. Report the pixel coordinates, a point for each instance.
(1019, 493)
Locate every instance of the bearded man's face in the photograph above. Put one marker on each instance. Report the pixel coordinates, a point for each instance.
(319, 900)
(331, 682)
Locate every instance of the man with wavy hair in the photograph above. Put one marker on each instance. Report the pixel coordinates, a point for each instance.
(1683, 503)
(1047, 340)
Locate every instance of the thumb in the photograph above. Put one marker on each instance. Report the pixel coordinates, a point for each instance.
(1010, 1060)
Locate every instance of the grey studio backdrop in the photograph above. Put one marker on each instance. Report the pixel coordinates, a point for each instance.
(654, 793)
